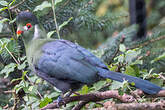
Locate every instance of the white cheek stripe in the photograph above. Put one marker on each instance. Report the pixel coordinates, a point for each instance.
(36, 32)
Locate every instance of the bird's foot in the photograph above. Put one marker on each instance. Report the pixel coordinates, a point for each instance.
(60, 101)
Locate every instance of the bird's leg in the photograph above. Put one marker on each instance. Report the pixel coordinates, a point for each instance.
(69, 93)
(60, 99)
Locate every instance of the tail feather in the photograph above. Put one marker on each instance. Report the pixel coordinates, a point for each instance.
(144, 85)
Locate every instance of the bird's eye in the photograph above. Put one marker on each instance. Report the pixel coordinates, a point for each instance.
(28, 25)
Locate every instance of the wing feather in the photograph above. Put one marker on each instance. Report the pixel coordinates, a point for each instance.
(65, 60)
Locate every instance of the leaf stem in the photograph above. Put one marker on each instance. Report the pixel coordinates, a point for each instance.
(12, 23)
(54, 14)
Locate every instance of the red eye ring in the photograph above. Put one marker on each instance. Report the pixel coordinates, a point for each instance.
(28, 25)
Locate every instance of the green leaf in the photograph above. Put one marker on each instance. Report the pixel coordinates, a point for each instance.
(22, 66)
(49, 34)
(161, 57)
(120, 58)
(122, 48)
(4, 45)
(130, 71)
(116, 85)
(11, 3)
(155, 75)
(57, 1)
(23, 58)
(8, 69)
(84, 89)
(12, 21)
(97, 86)
(113, 68)
(65, 23)
(44, 5)
(136, 69)
(120, 91)
(132, 83)
(34, 78)
(157, 81)
(32, 90)
(126, 85)
(38, 81)
(1, 23)
(24, 73)
(13, 80)
(4, 20)
(3, 3)
(4, 8)
(137, 62)
(45, 102)
(19, 86)
(53, 94)
(35, 104)
(131, 55)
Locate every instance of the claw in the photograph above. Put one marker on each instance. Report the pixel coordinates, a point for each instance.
(60, 101)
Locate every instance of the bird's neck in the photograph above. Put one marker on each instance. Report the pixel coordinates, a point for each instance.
(34, 50)
(39, 33)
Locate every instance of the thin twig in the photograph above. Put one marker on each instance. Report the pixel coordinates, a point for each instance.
(9, 91)
(80, 105)
(6, 35)
(62, 6)
(148, 42)
(161, 76)
(34, 85)
(141, 93)
(117, 50)
(54, 14)
(15, 6)
(12, 26)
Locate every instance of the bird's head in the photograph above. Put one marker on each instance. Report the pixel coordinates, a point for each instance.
(28, 27)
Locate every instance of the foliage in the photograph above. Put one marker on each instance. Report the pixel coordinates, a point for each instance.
(80, 21)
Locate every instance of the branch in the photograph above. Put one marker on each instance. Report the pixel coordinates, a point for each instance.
(140, 93)
(15, 6)
(80, 105)
(6, 35)
(134, 106)
(148, 42)
(94, 97)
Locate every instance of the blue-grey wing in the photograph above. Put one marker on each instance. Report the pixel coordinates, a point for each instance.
(65, 60)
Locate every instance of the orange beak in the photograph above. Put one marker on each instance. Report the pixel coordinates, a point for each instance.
(19, 32)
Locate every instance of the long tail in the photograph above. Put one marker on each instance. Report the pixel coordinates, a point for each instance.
(144, 85)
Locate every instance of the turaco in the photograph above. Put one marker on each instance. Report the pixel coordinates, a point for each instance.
(64, 64)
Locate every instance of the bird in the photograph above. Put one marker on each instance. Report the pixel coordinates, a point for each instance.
(64, 64)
